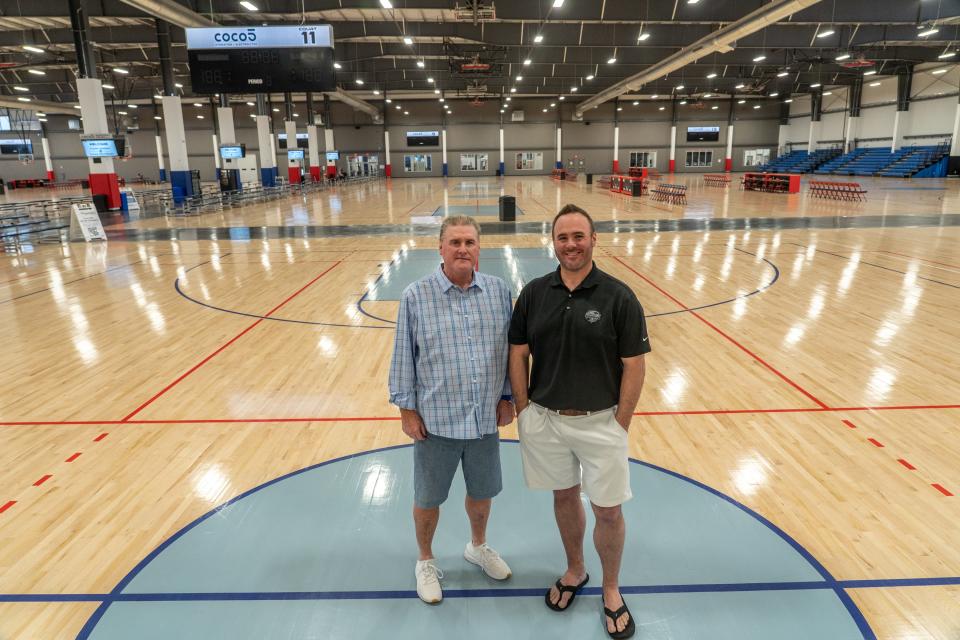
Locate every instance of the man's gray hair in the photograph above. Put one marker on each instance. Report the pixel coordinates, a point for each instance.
(459, 221)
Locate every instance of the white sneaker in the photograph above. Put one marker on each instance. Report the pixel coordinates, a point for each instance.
(428, 581)
(488, 560)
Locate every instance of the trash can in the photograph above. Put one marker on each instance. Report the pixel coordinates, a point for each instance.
(100, 202)
(508, 209)
(589, 178)
(636, 189)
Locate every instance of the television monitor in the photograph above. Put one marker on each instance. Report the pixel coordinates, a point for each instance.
(423, 138)
(100, 148)
(303, 140)
(295, 154)
(703, 134)
(233, 151)
(333, 155)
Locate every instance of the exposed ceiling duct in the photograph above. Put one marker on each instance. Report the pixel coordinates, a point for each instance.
(172, 12)
(38, 105)
(356, 103)
(722, 40)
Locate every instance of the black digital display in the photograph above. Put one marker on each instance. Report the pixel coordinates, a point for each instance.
(262, 70)
(16, 146)
(423, 138)
(703, 134)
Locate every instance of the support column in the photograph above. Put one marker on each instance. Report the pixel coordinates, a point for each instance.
(103, 177)
(290, 126)
(387, 171)
(854, 101)
(816, 114)
(728, 159)
(673, 137)
(328, 141)
(313, 141)
(228, 136)
(443, 147)
(953, 168)
(47, 159)
(181, 180)
(616, 137)
(268, 159)
(904, 84)
(784, 128)
(159, 141)
(559, 163)
(502, 163)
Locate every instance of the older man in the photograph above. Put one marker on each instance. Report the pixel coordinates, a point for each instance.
(586, 333)
(449, 379)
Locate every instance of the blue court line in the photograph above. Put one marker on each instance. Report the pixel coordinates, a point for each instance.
(176, 285)
(829, 582)
(411, 594)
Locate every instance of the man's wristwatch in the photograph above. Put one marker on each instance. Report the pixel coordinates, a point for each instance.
(507, 397)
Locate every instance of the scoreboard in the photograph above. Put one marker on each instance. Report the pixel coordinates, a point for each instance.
(261, 59)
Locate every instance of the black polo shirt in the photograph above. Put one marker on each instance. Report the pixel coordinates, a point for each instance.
(577, 338)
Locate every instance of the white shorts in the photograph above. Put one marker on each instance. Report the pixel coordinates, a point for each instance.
(558, 450)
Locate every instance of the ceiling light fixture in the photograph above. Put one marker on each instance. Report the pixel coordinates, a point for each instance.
(711, 75)
(824, 34)
(662, 108)
(636, 102)
(436, 91)
(815, 85)
(740, 86)
(946, 54)
(872, 72)
(590, 77)
(19, 88)
(22, 99)
(643, 36)
(760, 58)
(756, 106)
(538, 38)
(828, 93)
(557, 4)
(249, 6)
(250, 104)
(376, 92)
(121, 70)
(774, 94)
(421, 64)
(611, 60)
(683, 102)
(131, 106)
(527, 62)
(178, 85)
(430, 80)
(27, 47)
(714, 107)
(928, 32)
(562, 98)
(654, 96)
(875, 84)
(407, 40)
(359, 81)
(842, 56)
(783, 74)
(573, 89)
(741, 101)
(788, 100)
(123, 113)
(107, 86)
(519, 78)
(513, 89)
(37, 72)
(386, 4)
(939, 71)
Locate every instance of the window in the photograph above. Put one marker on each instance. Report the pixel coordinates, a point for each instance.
(646, 159)
(756, 157)
(530, 160)
(473, 161)
(418, 163)
(699, 158)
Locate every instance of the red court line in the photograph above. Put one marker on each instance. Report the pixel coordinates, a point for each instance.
(934, 485)
(230, 342)
(100, 437)
(73, 457)
(7, 506)
(906, 464)
(875, 442)
(849, 424)
(42, 480)
(729, 338)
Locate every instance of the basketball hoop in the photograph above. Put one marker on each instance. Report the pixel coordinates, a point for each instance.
(26, 158)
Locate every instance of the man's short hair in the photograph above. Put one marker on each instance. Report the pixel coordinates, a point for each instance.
(568, 209)
(458, 221)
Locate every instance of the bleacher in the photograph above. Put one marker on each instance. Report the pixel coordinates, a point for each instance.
(840, 162)
(879, 161)
(917, 159)
(800, 161)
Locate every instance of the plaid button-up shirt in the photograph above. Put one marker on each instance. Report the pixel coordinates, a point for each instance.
(450, 354)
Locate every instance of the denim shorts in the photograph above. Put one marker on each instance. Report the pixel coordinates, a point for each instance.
(435, 461)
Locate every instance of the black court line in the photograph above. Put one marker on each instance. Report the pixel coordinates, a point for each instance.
(878, 266)
(33, 293)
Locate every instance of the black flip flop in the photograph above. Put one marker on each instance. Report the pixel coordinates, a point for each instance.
(573, 590)
(628, 630)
